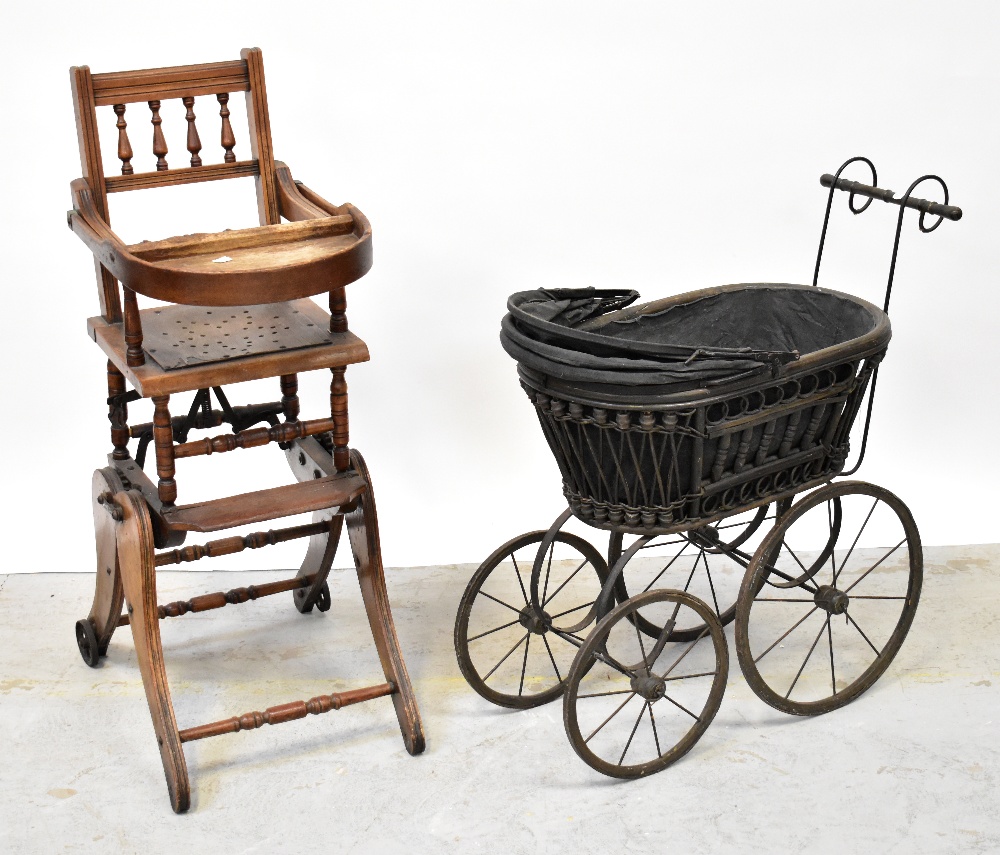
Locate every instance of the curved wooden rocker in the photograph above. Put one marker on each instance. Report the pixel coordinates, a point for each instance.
(240, 312)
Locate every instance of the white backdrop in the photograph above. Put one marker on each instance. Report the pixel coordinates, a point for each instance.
(497, 147)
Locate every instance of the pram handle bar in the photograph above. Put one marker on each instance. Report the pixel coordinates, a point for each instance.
(935, 209)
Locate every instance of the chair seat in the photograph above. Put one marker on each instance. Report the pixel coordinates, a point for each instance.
(193, 347)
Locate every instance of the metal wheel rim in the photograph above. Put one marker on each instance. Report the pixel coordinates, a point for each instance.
(461, 639)
(753, 583)
(585, 660)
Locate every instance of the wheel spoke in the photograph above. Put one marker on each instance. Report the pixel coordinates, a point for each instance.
(656, 736)
(711, 585)
(690, 676)
(738, 524)
(783, 637)
(833, 560)
(605, 694)
(586, 561)
(668, 566)
(618, 710)
(833, 672)
(843, 563)
(631, 736)
(783, 600)
(520, 581)
(524, 665)
(876, 564)
(681, 707)
(501, 602)
(826, 623)
(506, 656)
(570, 611)
(548, 570)
(690, 647)
(552, 659)
(491, 631)
(865, 637)
(875, 597)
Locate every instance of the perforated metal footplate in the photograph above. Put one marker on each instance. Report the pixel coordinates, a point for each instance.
(179, 336)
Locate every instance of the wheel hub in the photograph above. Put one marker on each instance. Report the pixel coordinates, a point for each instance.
(649, 686)
(538, 623)
(832, 600)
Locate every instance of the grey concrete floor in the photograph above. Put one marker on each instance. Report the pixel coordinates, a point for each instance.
(912, 766)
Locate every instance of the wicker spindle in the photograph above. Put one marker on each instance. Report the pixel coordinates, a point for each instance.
(228, 140)
(124, 146)
(193, 140)
(159, 143)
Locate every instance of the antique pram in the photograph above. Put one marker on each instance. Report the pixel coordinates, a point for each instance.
(687, 428)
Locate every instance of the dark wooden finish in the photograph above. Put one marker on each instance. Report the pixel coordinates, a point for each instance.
(334, 491)
(290, 397)
(193, 141)
(287, 712)
(124, 146)
(92, 168)
(163, 440)
(338, 409)
(118, 412)
(228, 139)
(261, 149)
(151, 379)
(232, 545)
(135, 552)
(108, 593)
(159, 143)
(134, 357)
(238, 310)
(285, 432)
(362, 527)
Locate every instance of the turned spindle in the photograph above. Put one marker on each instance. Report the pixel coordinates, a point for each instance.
(134, 357)
(193, 140)
(228, 140)
(118, 412)
(290, 397)
(159, 143)
(338, 310)
(163, 439)
(124, 146)
(338, 410)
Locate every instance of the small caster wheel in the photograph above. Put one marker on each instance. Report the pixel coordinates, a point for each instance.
(323, 601)
(634, 705)
(86, 640)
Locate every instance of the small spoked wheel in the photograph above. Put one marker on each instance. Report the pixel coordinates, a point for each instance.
(509, 653)
(828, 598)
(635, 704)
(86, 640)
(708, 562)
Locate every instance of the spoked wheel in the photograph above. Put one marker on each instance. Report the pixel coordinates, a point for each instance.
(86, 641)
(633, 704)
(509, 654)
(708, 562)
(813, 646)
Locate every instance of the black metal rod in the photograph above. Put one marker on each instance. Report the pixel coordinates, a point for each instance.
(936, 209)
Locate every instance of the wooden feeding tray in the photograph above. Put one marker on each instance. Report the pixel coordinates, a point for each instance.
(266, 264)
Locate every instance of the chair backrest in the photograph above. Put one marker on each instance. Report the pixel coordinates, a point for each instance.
(185, 83)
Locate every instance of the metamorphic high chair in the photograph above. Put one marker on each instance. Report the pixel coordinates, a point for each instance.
(239, 310)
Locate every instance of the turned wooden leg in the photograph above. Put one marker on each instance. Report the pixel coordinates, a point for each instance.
(118, 413)
(108, 594)
(138, 573)
(362, 527)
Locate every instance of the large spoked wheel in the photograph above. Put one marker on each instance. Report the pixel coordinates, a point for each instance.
(634, 705)
(813, 646)
(508, 653)
(708, 562)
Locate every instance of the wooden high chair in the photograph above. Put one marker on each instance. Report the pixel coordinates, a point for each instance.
(240, 311)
